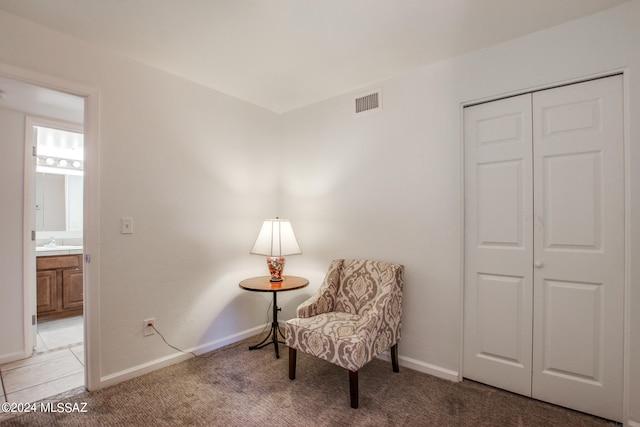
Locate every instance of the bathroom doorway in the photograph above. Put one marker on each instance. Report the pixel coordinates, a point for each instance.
(53, 286)
(57, 204)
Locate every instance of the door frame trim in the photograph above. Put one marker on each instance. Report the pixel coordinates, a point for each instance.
(91, 229)
(626, 351)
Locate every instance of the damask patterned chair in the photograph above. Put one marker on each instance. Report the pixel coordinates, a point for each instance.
(354, 317)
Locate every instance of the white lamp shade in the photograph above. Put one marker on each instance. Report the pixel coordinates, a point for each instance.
(276, 238)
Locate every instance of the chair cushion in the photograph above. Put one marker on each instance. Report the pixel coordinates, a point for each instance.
(330, 336)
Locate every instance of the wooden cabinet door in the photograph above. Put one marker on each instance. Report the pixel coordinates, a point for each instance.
(72, 289)
(47, 294)
(60, 286)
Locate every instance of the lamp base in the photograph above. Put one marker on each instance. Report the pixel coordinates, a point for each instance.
(276, 265)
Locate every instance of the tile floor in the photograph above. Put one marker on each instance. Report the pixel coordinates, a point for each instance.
(57, 365)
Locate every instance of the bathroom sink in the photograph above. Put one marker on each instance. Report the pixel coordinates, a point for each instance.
(59, 250)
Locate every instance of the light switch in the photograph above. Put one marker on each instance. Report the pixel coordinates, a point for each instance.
(126, 225)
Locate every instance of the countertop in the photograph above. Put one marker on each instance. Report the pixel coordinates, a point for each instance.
(58, 250)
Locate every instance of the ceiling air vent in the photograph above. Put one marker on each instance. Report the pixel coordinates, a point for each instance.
(368, 103)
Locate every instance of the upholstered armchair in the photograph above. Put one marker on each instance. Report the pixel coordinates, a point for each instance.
(354, 317)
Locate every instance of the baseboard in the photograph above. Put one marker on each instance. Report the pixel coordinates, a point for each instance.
(632, 423)
(176, 357)
(426, 368)
(144, 368)
(12, 357)
(214, 345)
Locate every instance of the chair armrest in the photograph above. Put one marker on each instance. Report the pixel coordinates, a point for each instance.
(324, 300)
(313, 306)
(379, 329)
(386, 310)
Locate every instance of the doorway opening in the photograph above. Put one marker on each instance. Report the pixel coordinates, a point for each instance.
(58, 204)
(54, 335)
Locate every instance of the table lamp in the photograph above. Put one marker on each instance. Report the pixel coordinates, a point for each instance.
(276, 240)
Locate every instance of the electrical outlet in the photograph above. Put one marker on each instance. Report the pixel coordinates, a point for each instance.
(148, 327)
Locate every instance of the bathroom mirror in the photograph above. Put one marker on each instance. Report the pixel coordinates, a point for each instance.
(59, 180)
(58, 202)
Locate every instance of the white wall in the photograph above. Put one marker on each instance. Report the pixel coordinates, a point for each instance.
(192, 166)
(193, 170)
(11, 305)
(388, 185)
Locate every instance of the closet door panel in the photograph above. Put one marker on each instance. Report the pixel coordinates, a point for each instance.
(579, 246)
(498, 244)
(576, 307)
(572, 191)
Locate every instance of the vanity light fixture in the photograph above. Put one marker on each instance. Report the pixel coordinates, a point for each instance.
(57, 163)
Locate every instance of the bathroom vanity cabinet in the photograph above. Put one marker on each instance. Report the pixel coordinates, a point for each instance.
(60, 289)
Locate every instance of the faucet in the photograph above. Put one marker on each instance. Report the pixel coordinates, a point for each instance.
(52, 242)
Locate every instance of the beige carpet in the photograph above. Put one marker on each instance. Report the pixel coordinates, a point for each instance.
(236, 387)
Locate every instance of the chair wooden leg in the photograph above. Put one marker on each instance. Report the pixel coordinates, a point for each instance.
(394, 358)
(353, 388)
(293, 353)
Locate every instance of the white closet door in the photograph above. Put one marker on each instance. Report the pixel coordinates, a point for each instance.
(579, 246)
(544, 245)
(498, 244)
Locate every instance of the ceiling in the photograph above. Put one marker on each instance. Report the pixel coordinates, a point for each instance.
(284, 54)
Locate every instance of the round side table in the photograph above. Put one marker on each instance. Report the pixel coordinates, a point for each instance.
(263, 284)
